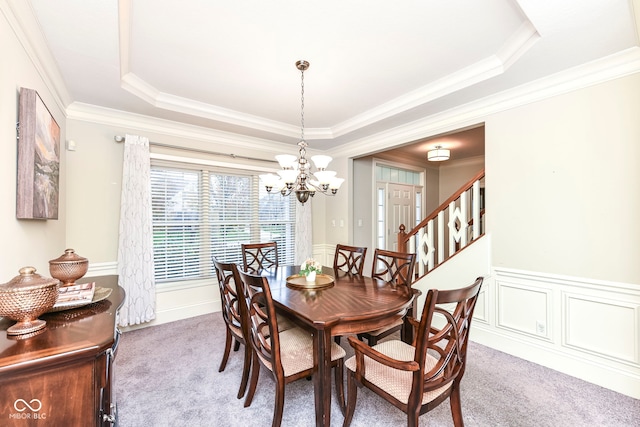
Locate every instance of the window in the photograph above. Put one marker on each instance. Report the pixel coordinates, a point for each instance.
(397, 175)
(418, 198)
(203, 213)
(381, 215)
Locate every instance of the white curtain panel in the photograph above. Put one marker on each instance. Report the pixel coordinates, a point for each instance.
(135, 247)
(304, 248)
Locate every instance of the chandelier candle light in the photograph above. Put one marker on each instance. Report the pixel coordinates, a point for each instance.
(295, 175)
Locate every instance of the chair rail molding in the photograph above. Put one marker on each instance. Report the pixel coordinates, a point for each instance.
(102, 268)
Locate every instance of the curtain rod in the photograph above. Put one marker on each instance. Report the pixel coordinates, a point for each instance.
(120, 138)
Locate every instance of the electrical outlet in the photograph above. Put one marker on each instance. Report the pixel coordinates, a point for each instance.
(541, 328)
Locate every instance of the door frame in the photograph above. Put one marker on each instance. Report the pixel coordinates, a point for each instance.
(383, 185)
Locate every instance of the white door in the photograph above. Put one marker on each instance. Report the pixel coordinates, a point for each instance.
(400, 210)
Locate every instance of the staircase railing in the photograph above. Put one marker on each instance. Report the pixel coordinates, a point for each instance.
(448, 229)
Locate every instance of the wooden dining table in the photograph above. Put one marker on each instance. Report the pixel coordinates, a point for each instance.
(349, 305)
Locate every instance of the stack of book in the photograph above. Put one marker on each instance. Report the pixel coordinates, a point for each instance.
(75, 295)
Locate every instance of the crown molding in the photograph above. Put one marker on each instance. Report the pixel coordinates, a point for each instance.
(19, 14)
(166, 101)
(599, 71)
(521, 41)
(137, 86)
(494, 65)
(611, 67)
(485, 69)
(139, 122)
(21, 18)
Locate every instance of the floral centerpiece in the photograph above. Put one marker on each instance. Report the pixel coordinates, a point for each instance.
(310, 268)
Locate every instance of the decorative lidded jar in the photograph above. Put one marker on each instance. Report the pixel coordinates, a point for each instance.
(25, 297)
(68, 267)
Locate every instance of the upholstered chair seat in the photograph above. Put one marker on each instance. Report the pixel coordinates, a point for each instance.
(393, 381)
(296, 351)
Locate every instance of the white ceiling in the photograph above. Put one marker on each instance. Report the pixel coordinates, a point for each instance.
(375, 64)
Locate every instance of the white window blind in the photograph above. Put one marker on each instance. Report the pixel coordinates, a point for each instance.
(203, 213)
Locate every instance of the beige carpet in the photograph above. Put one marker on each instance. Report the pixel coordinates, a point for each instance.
(168, 375)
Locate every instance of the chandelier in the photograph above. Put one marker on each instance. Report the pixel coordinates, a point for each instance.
(295, 175)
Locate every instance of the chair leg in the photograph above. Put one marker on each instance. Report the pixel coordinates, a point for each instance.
(413, 415)
(227, 349)
(255, 371)
(236, 346)
(340, 384)
(245, 371)
(352, 392)
(277, 412)
(456, 407)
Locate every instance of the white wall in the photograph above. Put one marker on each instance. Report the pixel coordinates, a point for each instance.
(454, 174)
(364, 185)
(561, 214)
(562, 180)
(94, 179)
(24, 242)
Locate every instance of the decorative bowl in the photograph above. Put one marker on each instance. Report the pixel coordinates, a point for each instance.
(24, 298)
(68, 267)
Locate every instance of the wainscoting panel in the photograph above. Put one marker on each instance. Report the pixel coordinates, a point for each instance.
(593, 325)
(524, 309)
(586, 328)
(180, 303)
(324, 254)
(481, 312)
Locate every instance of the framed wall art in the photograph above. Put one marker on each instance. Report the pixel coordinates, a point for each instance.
(38, 159)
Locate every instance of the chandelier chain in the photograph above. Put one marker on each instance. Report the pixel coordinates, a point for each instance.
(302, 104)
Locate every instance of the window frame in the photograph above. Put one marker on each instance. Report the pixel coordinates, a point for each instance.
(222, 168)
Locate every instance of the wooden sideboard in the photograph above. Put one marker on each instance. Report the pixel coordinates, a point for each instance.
(63, 375)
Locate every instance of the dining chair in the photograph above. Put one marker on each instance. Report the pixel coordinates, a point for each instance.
(349, 258)
(417, 377)
(257, 257)
(288, 355)
(395, 268)
(234, 313)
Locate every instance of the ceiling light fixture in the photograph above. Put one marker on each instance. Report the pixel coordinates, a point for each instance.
(295, 175)
(438, 155)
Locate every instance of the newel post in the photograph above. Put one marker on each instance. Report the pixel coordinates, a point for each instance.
(402, 239)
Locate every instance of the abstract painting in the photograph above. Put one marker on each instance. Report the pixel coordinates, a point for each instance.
(38, 159)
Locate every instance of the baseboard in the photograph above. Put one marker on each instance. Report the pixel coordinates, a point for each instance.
(606, 376)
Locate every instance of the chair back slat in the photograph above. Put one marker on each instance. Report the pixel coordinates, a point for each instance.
(349, 258)
(393, 267)
(257, 257)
